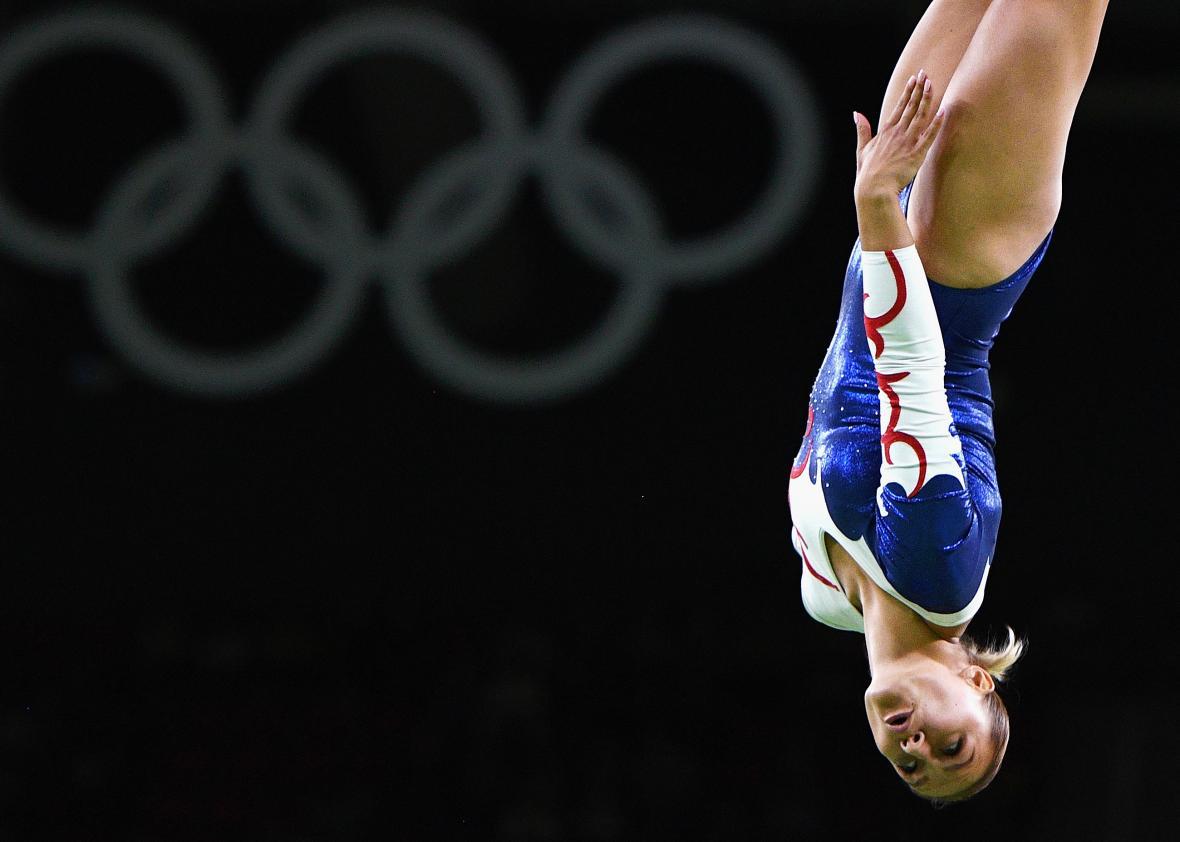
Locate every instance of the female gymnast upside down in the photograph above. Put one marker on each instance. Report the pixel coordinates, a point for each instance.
(893, 493)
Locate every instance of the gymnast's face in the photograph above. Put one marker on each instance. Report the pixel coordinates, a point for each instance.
(932, 723)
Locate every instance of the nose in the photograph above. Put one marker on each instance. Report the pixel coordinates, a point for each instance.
(914, 743)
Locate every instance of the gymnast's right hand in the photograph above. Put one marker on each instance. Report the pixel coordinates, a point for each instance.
(885, 164)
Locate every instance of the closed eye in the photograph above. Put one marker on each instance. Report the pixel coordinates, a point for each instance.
(952, 750)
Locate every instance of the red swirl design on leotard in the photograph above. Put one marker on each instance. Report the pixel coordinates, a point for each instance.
(807, 564)
(873, 324)
(891, 436)
(798, 470)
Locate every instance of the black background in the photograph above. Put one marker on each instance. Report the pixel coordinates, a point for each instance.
(366, 605)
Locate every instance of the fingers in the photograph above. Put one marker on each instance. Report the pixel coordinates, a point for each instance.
(927, 138)
(895, 115)
(925, 106)
(864, 132)
(918, 91)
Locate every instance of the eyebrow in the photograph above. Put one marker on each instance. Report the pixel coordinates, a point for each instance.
(922, 780)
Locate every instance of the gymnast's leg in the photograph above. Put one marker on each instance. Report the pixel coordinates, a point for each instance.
(990, 189)
(937, 46)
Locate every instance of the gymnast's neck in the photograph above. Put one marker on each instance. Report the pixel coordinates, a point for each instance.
(893, 630)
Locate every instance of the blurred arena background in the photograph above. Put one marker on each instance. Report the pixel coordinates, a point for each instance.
(398, 404)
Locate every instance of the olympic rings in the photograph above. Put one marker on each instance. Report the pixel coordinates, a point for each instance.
(224, 373)
(146, 40)
(486, 172)
(771, 76)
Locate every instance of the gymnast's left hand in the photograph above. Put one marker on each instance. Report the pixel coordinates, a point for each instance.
(885, 164)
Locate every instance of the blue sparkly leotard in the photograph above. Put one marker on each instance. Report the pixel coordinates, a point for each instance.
(932, 550)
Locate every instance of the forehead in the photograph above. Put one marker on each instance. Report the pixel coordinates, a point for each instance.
(943, 788)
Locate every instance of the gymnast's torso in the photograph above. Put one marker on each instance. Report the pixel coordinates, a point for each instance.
(932, 551)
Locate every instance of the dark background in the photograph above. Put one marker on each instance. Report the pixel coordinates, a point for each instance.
(366, 604)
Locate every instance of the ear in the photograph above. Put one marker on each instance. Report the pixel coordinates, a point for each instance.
(979, 678)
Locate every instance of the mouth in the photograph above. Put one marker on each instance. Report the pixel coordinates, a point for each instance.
(898, 721)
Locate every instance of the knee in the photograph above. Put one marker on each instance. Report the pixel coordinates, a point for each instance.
(1049, 19)
(1038, 23)
(1061, 34)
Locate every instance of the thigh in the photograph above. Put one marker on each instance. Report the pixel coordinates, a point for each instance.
(937, 45)
(990, 189)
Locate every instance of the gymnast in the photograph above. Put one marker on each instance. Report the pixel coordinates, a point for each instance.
(893, 493)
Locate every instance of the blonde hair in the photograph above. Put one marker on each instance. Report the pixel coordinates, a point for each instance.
(998, 659)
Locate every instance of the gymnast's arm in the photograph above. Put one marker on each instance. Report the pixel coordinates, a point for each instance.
(925, 507)
(885, 164)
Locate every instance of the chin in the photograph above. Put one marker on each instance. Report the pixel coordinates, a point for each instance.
(882, 696)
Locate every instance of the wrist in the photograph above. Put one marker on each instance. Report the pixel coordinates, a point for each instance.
(874, 195)
(880, 219)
